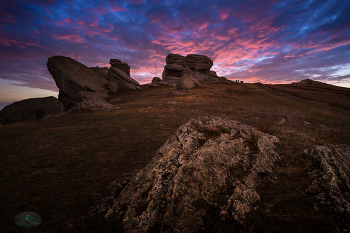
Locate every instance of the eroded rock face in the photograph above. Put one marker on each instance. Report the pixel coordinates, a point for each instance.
(72, 77)
(330, 164)
(92, 100)
(206, 162)
(101, 71)
(199, 66)
(31, 109)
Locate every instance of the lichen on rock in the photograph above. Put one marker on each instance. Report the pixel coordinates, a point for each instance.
(332, 164)
(205, 161)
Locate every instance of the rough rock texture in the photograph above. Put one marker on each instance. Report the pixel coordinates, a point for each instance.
(31, 109)
(206, 162)
(331, 165)
(92, 100)
(199, 66)
(187, 82)
(120, 65)
(101, 71)
(72, 77)
(123, 80)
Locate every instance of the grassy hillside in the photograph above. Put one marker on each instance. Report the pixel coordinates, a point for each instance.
(60, 167)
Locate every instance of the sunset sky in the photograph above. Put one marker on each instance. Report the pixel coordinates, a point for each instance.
(270, 41)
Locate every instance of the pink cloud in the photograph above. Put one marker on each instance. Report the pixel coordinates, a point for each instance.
(204, 25)
(8, 18)
(69, 38)
(223, 13)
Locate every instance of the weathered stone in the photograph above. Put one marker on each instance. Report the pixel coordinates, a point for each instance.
(120, 65)
(193, 170)
(198, 62)
(333, 164)
(31, 109)
(175, 59)
(187, 82)
(123, 80)
(157, 81)
(198, 66)
(92, 100)
(72, 77)
(101, 71)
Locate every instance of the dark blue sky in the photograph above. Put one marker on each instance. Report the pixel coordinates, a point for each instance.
(271, 41)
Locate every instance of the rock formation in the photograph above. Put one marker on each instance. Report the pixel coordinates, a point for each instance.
(122, 79)
(31, 109)
(186, 81)
(209, 164)
(72, 77)
(199, 65)
(92, 100)
(120, 65)
(330, 167)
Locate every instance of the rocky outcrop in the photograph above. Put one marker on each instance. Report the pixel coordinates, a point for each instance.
(120, 65)
(31, 109)
(72, 77)
(186, 81)
(209, 164)
(101, 71)
(92, 100)
(199, 66)
(122, 79)
(330, 168)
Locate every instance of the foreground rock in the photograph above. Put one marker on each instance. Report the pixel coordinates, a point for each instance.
(72, 77)
(31, 109)
(330, 166)
(209, 166)
(199, 66)
(92, 100)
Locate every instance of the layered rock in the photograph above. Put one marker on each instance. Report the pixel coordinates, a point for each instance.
(120, 65)
(122, 79)
(92, 100)
(72, 77)
(209, 164)
(330, 166)
(31, 109)
(199, 65)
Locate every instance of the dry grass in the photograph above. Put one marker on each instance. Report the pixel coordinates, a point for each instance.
(56, 166)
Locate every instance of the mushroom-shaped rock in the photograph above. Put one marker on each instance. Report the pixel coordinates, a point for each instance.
(31, 109)
(207, 162)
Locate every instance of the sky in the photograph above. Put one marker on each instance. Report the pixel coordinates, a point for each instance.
(268, 41)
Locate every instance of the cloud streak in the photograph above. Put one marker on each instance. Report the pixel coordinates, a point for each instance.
(271, 41)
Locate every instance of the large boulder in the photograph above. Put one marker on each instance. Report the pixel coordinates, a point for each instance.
(186, 81)
(122, 79)
(120, 65)
(209, 166)
(199, 66)
(72, 77)
(31, 109)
